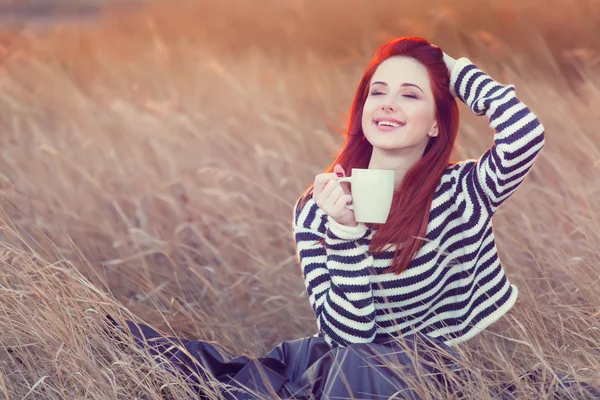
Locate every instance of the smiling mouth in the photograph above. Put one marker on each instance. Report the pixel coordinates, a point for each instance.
(387, 124)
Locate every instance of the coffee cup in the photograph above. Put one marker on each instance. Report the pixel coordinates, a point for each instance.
(372, 193)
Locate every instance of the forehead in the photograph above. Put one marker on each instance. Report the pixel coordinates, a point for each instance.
(398, 70)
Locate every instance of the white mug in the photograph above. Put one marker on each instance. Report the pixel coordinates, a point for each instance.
(372, 193)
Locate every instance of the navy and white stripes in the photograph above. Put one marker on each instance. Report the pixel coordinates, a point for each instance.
(519, 134)
(455, 286)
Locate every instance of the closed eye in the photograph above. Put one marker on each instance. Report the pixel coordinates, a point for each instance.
(410, 96)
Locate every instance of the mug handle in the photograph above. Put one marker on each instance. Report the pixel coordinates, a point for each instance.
(349, 180)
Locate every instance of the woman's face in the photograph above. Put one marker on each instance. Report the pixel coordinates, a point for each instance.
(399, 113)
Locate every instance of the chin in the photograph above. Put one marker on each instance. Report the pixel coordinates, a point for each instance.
(388, 148)
(385, 144)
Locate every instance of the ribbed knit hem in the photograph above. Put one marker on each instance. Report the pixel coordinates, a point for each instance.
(345, 232)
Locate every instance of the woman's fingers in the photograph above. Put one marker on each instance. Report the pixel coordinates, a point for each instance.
(339, 170)
(328, 189)
(334, 201)
(342, 201)
(332, 197)
(330, 194)
(320, 181)
(336, 193)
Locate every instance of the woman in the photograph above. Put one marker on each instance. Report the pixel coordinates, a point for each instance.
(432, 269)
(442, 276)
(411, 288)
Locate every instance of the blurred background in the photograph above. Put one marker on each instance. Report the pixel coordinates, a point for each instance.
(151, 153)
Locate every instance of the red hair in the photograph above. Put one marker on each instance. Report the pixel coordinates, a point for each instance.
(409, 216)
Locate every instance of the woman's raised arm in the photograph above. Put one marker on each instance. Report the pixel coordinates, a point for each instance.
(519, 135)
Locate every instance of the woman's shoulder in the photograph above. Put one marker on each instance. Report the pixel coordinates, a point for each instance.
(458, 168)
(454, 174)
(454, 170)
(302, 201)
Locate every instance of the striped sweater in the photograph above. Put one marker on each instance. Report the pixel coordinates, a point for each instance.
(455, 285)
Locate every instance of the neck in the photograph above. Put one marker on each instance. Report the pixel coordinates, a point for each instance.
(400, 160)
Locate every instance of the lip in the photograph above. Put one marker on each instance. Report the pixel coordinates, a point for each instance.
(387, 128)
(389, 119)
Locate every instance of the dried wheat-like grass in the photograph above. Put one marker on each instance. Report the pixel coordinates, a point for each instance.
(150, 162)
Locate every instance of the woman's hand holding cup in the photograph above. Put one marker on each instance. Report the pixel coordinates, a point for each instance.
(333, 197)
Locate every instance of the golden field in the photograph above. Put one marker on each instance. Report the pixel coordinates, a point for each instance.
(149, 164)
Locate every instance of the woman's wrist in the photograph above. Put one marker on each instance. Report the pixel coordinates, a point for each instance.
(347, 232)
(455, 72)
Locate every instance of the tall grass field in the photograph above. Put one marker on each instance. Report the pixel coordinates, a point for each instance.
(150, 161)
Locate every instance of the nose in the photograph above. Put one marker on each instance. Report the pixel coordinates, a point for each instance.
(389, 107)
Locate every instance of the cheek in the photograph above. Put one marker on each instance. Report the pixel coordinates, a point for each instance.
(420, 115)
(367, 114)
(370, 106)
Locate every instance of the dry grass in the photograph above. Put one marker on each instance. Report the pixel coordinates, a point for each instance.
(149, 165)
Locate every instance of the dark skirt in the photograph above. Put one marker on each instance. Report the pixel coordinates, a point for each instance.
(308, 368)
(305, 368)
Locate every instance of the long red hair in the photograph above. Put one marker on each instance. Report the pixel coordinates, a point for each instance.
(409, 216)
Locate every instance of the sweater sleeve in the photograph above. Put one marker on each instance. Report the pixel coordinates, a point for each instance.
(518, 139)
(335, 262)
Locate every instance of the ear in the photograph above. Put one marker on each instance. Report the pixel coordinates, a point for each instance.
(433, 132)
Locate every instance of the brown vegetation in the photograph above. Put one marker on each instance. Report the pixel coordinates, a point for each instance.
(149, 164)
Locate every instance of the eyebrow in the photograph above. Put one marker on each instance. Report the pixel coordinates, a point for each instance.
(404, 84)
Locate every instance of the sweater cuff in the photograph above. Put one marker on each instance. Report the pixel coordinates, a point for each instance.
(344, 232)
(458, 66)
